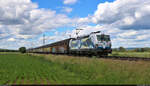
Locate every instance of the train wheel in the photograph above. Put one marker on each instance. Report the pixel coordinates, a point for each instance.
(90, 55)
(99, 56)
(102, 55)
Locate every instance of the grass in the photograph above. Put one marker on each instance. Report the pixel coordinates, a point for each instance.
(131, 54)
(62, 69)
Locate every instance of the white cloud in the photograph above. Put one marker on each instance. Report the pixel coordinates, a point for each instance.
(84, 20)
(70, 1)
(143, 37)
(67, 9)
(11, 39)
(126, 21)
(128, 33)
(23, 19)
(124, 14)
(14, 12)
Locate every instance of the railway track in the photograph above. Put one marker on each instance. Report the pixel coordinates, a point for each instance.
(126, 58)
(112, 57)
(119, 57)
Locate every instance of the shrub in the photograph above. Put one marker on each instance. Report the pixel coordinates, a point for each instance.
(122, 49)
(22, 49)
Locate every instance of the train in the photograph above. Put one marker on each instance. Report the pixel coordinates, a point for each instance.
(93, 44)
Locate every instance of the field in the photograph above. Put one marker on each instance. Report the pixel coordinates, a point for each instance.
(62, 69)
(132, 54)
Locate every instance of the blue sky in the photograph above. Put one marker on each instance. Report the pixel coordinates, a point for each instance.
(23, 22)
(81, 8)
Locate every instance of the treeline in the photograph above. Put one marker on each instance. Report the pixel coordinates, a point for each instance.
(7, 50)
(122, 49)
(21, 49)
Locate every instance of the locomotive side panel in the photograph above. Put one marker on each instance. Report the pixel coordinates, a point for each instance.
(86, 43)
(74, 44)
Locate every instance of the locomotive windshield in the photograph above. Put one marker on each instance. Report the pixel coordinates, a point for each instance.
(103, 38)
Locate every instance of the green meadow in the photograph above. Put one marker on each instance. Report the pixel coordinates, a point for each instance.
(62, 69)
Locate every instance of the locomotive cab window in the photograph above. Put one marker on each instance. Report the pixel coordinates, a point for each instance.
(103, 38)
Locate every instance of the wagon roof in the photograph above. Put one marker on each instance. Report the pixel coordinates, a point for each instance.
(51, 44)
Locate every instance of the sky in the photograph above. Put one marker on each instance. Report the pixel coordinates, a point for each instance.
(23, 22)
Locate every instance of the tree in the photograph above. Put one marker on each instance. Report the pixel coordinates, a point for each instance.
(122, 49)
(142, 49)
(22, 49)
(137, 49)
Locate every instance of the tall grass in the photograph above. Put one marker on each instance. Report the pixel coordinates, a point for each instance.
(131, 54)
(104, 71)
(63, 69)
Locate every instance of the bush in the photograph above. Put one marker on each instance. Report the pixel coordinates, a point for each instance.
(22, 49)
(142, 49)
(122, 49)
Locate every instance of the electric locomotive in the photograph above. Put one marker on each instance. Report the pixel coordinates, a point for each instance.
(95, 43)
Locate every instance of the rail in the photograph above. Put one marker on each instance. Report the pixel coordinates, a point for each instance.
(126, 58)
